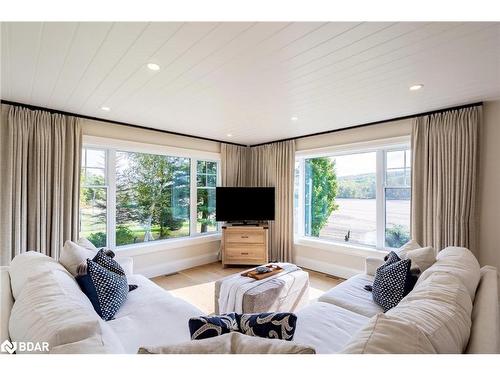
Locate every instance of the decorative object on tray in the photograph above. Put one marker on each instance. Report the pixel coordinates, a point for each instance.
(259, 273)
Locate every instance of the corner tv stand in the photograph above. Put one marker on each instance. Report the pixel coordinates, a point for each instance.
(245, 244)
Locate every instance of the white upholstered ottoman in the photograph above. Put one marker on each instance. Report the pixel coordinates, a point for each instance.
(286, 291)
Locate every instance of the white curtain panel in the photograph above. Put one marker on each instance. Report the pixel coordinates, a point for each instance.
(444, 174)
(234, 165)
(274, 165)
(40, 174)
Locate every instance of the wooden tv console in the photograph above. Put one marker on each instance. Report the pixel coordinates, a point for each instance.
(245, 244)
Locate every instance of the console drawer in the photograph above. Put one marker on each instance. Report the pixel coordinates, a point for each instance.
(244, 252)
(257, 237)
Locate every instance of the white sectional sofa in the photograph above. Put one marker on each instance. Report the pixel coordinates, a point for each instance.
(453, 308)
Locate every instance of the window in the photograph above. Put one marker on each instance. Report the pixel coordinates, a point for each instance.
(94, 197)
(206, 180)
(358, 196)
(397, 194)
(130, 197)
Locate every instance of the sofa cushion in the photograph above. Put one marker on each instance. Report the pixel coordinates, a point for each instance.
(151, 316)
(232, 343)
(393, 280)
(441, 308)
(72, 255)
(351, 295)
(31, 264)
(459, 262)
(51, 308)
(389, 335)
(326, 327)
(6, 303)
(204, 327)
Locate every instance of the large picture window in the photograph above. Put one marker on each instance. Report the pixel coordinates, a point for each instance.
(359, 196)
(152, 197)
(130, 197)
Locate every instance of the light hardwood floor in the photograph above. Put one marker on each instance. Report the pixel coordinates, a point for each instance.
(196, 285)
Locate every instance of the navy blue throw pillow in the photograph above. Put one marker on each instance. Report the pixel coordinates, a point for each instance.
(106, 290)
(275, 325)
(205, 327)
(393, 280)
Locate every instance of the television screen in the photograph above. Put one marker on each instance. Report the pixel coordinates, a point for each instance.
(244, 204)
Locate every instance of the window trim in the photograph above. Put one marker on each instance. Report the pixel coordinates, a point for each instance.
(380, 146)
(111, 146)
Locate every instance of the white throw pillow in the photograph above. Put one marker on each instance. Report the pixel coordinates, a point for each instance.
(73, 254)
(410, 245)
(441, 308)
(389, 335)
(83, 242)
(422, 258)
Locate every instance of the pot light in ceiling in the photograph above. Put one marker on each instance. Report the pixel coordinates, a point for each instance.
(153, 66)
(294, 118)
(416, 87)
(104, 108)
(229, 135)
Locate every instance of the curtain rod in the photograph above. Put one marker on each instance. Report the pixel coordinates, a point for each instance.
(33, 107)
(374, 123)
(51, 110)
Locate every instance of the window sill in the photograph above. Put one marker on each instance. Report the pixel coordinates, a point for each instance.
(174, 243)
(349, 249)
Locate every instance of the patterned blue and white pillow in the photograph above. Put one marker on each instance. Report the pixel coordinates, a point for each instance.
(204, 327)
(274, 325)
(103, 259)
(106, 290)
(393, 280)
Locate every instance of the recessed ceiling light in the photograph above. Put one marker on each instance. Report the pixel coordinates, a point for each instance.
(104, 108)
(229, 135)
(416, 87)
(294, 118)
(153, 66)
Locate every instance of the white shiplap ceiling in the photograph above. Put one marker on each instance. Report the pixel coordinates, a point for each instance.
(249, 79)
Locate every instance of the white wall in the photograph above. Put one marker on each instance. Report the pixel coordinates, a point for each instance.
(489, 186)
(128, 133)
(163, 257)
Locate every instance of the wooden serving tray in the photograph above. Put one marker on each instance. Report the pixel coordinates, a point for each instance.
(259, 276)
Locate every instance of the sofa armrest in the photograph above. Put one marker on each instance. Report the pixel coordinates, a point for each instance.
(127, 264)
(6, 303)
(371, 265)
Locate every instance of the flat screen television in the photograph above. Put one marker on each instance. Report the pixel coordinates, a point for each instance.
(242, 204)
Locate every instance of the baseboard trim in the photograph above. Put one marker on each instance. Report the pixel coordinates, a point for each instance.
(328, 268)
(177, 265)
